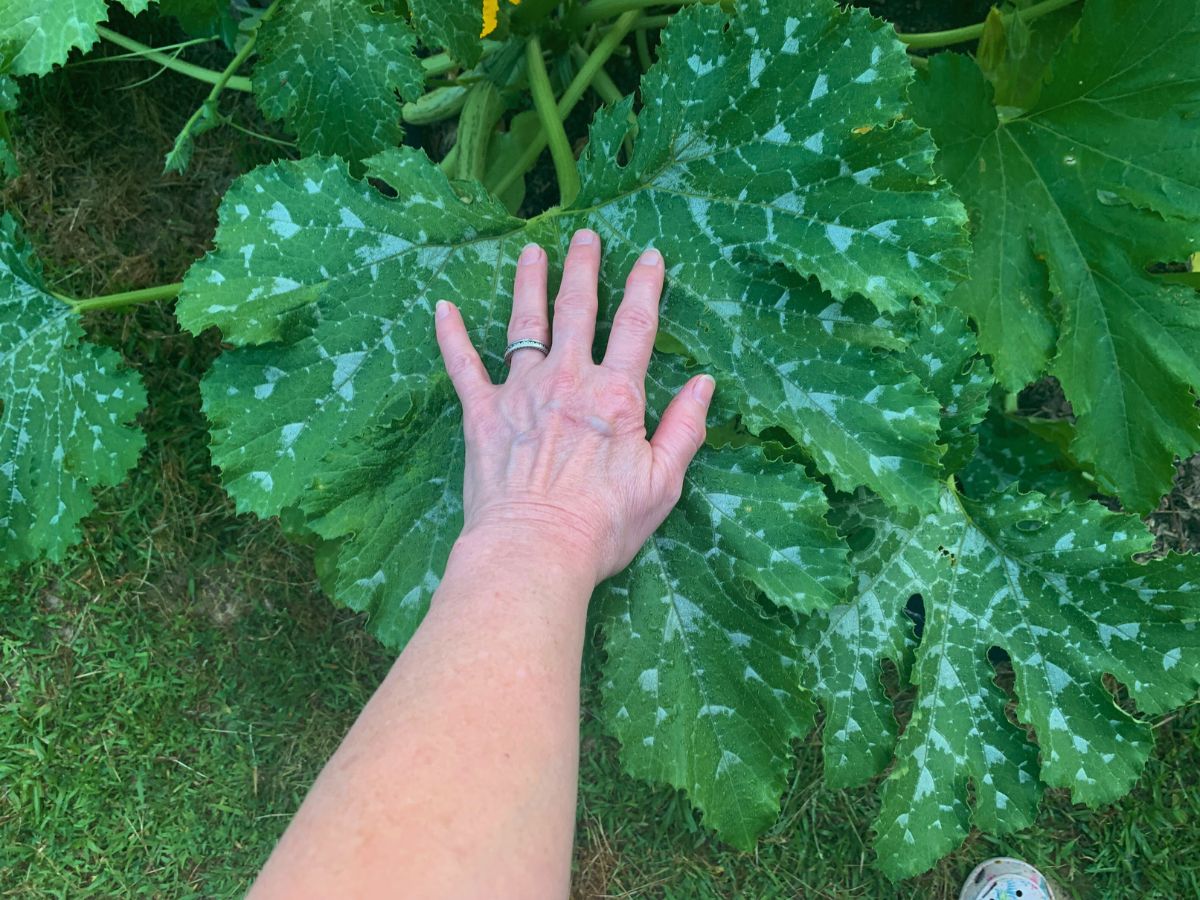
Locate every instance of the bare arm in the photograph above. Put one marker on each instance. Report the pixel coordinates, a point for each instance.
(459, 778)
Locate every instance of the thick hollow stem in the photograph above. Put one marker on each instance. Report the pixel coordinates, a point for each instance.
(603, 85)
(177, 159)
(127, 298)
(547, 110)
(930, 39)
(208, 76)
(438, 64)
(579, 84)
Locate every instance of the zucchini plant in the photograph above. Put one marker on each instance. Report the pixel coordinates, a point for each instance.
(872, 247)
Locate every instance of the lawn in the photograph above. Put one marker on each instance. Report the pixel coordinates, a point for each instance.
(169, 691)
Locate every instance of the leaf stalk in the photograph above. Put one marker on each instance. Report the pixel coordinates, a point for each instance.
(552, 125)
(575, 90)
(126, 298)
(930, 39)
(438, 64)
(208, 76)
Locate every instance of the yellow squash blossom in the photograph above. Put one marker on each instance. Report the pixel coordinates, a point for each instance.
(491, 9)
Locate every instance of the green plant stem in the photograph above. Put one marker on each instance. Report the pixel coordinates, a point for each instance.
(926, 40)
(643, 48)
(543, 101)
(608, 91)
(438, 64)
(575, 90)
(126, 298)
(234, 83)
(177, 159)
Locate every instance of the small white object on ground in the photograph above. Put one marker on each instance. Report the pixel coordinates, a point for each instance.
(1004, 878)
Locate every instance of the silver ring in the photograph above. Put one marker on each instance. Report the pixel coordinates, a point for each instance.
(524, 344)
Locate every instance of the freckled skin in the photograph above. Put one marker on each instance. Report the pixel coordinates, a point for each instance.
(459, 778)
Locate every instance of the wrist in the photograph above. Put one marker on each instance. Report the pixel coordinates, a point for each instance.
(531, 547)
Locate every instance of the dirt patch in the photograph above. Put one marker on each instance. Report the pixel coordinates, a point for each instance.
(1176, 522)
(90, 141)
(595, 863)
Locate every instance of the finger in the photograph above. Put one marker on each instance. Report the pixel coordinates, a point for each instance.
(466, 371)
(575, 306)
(636, 322)
(529, 316)
(680, 433)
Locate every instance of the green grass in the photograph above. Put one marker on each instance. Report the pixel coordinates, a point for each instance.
(170, 691)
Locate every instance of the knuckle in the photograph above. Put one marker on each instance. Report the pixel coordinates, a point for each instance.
(693, 432)
(459, 363)
(562, 382)
(624, 396)
(637, 319)
(527, 325)
(573, 298)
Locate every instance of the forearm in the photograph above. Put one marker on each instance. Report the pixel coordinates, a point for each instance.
(459, 777)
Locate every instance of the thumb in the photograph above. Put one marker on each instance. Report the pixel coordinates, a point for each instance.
(680, 432)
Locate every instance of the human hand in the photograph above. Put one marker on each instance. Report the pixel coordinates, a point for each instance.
(558, 453)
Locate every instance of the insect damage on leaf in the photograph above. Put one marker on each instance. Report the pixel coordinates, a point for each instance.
(749, 178)
(1072, 200)
(1054, 587)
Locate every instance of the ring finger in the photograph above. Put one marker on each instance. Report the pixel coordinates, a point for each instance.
(529, 320)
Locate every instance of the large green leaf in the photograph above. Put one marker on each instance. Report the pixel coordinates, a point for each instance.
(331, 70)
(65, 412)
(701, 683)
(9, 91)
(1053, 587)
(1071, 201)
(452, 24)
(1027, 452)
(45, 32)
(942, 352)
(201, 17)
(776, 142)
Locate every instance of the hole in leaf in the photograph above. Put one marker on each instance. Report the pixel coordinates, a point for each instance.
(1030, 525)
(383, 187)
(915, 610)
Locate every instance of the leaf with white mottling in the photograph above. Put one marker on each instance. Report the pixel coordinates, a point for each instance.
(942, 352)
(45, 32)
(701, 684)
(452, 24)
(331, 69)
(326, 289)
(1028, 452)
(65, 413)
(1055, 588)
(399, 521)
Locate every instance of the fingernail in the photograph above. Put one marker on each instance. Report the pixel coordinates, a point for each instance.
(650, 258)
(443, 309)
(704, 387)
(531, 254)
(583, 237)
